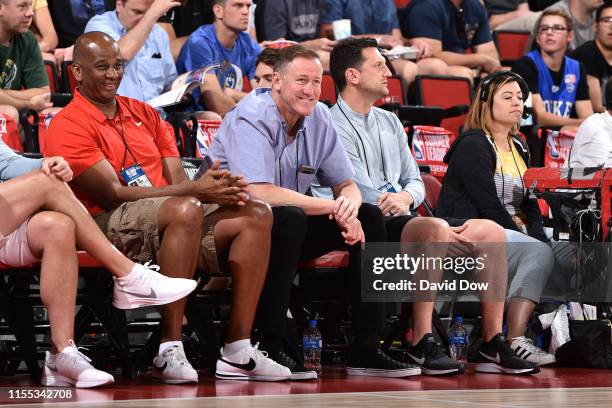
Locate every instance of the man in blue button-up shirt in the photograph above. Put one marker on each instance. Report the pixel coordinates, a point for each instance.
(149, 68)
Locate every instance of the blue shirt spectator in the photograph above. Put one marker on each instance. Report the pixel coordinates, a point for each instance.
(151, 70)
(253, 141)
(457, 28)
(367, 16)
(203, 48)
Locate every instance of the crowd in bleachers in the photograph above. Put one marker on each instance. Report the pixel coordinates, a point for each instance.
(286, 179)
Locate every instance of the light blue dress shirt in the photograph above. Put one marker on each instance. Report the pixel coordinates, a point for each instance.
(151, 71)
(253, 141)
(13, 165)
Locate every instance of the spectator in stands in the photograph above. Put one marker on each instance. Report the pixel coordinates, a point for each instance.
(596, 56)
(129, 175)
(225, 42)
(378, 19)
(504, 11)
(23, 81)
(593, 143)
(293, 20)
(281, 139)
(560, 94)
(264, 68)
(452, 28)
(582, 15)
(43, 29)
(148, 66)
(388, 176)
(484, 179)
(70, 17)
(181, 21)
(46, 223)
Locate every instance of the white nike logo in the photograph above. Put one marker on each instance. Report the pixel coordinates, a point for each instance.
(418, 360)
(496, 359)
(138, 123)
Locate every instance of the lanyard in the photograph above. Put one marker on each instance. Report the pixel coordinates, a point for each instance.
(122, 134)
(365, 157)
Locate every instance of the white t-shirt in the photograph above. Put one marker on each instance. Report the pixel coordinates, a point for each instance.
(593, 144)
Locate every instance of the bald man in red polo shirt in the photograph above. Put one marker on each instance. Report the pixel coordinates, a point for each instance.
(128, 173)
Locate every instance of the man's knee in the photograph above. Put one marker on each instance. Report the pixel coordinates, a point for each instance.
(372, 222)
(52, 226)
(258, 215)
(432, 66)
(289, 221)
(185, 211)
(426, 229)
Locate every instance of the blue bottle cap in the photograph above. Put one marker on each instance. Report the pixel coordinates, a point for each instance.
(458, 319)
(313, 323)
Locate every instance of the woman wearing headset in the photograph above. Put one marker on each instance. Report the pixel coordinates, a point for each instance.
(484, 179)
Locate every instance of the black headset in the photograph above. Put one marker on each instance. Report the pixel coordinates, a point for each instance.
(499, 76)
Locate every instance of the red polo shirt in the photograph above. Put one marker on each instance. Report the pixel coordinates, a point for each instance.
(83, 135)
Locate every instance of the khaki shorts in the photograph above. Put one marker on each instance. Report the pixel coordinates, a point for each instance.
(133, 228)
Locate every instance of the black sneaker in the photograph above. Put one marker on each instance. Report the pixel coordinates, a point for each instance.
(298, 371)
(429, 355)
(378, 364)
(496, 356)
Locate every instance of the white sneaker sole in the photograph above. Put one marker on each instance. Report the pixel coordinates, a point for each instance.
(61, 381)
(135, 302)
(176, 380)
(427, 371)
(225, 375)
(305, 375)
(377, 372)
(497, 369)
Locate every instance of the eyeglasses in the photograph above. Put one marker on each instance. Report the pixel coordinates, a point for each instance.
(557, 29)
(605, 21)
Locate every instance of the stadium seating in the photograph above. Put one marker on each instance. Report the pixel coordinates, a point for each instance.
(511, 45)
(445, 92)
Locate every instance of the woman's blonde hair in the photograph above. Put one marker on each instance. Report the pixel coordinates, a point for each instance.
(480, 115)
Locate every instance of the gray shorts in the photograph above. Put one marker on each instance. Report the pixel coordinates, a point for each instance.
(133, 228)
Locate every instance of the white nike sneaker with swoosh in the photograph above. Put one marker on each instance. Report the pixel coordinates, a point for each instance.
(250, 364)
(172, 367)
(145, 286)
(71, 368)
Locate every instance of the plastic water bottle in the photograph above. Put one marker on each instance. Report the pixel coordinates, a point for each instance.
(312, 345)
(458, 340)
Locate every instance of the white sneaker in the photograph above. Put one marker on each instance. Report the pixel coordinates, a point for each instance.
(172, 367)
(249, 363)
(526, 350)
(148, 287)
(71, 368)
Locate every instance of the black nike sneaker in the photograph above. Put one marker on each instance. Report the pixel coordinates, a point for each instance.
(378, 364)
(496, 356)
(430, 356)
(250, 364)
(298, 371)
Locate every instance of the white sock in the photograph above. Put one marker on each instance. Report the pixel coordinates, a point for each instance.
(127, 277)
(166, 345)
(235, 346)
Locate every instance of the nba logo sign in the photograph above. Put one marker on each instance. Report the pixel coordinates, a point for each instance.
(47, 119)
(553, 141)
(418, 149)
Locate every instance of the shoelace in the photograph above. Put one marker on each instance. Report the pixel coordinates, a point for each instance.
(176, 354)
(143, 277)
(77, 353)
(532, 348)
